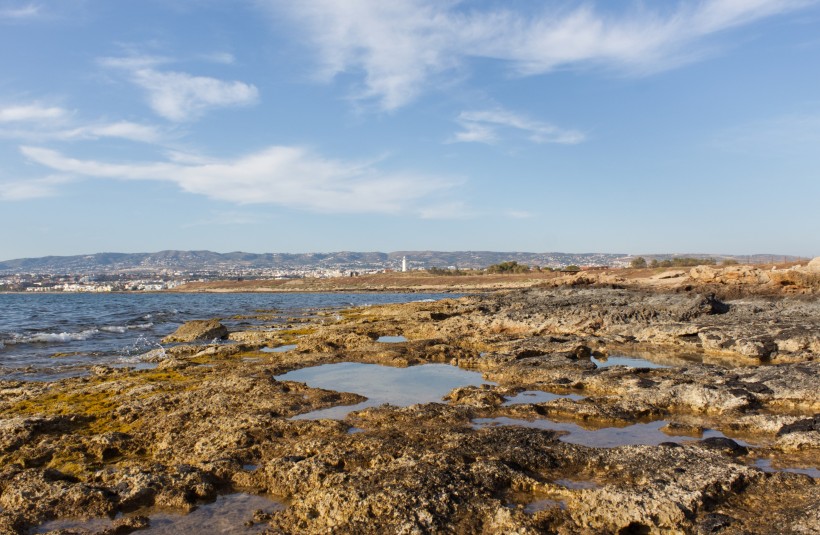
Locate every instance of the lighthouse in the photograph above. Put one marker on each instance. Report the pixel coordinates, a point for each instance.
(403, 264)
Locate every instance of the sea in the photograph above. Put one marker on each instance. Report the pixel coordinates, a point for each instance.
(46, 337)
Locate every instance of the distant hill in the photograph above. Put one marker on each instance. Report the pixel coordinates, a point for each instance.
(211, 261)
(203, 261)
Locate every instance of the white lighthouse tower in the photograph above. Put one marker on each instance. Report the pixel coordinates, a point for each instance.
(403, 264)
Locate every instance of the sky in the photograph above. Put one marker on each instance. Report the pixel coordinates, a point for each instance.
(623, 126)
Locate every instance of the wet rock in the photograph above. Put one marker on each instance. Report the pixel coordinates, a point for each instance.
(808, 424)
(198, 330)
(102, 370)
(477, 396)
(129, 524)
(681, 429)
(714, 523)
(724, 445)
(799, 441)
(173, 363)
(39, 495)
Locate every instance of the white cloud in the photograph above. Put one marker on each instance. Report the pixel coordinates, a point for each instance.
(30, 112)
(179, 96)
(482, 126)
(285, 176)
(65, 131)
(122, 129)
(402, 47)
(26, 11)
(31, 189)
(134, 62)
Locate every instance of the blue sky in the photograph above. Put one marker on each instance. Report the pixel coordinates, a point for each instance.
(326, 125)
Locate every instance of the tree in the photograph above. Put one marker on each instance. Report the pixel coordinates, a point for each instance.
(638, 262)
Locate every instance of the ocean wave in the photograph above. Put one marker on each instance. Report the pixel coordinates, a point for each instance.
(45, 338)
(125, 328)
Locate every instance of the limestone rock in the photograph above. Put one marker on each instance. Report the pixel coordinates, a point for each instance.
(198, 330)
(728, 275)
(814, 265)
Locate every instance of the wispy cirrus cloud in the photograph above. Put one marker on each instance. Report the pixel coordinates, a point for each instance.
(483, 126)
(31, 112)
(180, 96)
(279, 175)
(36, 122)
(402, 47)
(20, 12)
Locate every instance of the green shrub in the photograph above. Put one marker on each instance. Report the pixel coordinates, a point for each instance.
(508, 267)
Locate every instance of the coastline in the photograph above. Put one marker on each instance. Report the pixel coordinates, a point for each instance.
(211, 420)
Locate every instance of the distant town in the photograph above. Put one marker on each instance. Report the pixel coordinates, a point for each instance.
(152, 272)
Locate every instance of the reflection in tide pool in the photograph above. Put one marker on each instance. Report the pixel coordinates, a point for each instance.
(629, 362)
(766, 466)
(382, 384)
(538, 396)
(391, 339)
(607, 437)
(544, 505)
(278, 349)
(225, 516)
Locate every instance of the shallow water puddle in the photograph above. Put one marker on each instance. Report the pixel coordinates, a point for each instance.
(537, 396)
(629, 362)
(576, 484)
(380, 384)
(225, 516)
(766, 466)
(278, 349)
(607, 437)
(138, 366)
(544, 505)
(391, 339)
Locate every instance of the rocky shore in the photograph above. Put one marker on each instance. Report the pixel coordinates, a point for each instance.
(736, 405)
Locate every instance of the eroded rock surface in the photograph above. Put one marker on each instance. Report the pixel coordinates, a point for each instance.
(194, 330)
(739, 389)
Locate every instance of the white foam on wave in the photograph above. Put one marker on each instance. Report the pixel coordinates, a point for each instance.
(45, 338)
(124, 328)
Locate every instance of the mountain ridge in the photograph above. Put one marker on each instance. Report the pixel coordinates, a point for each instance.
(204, 260)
